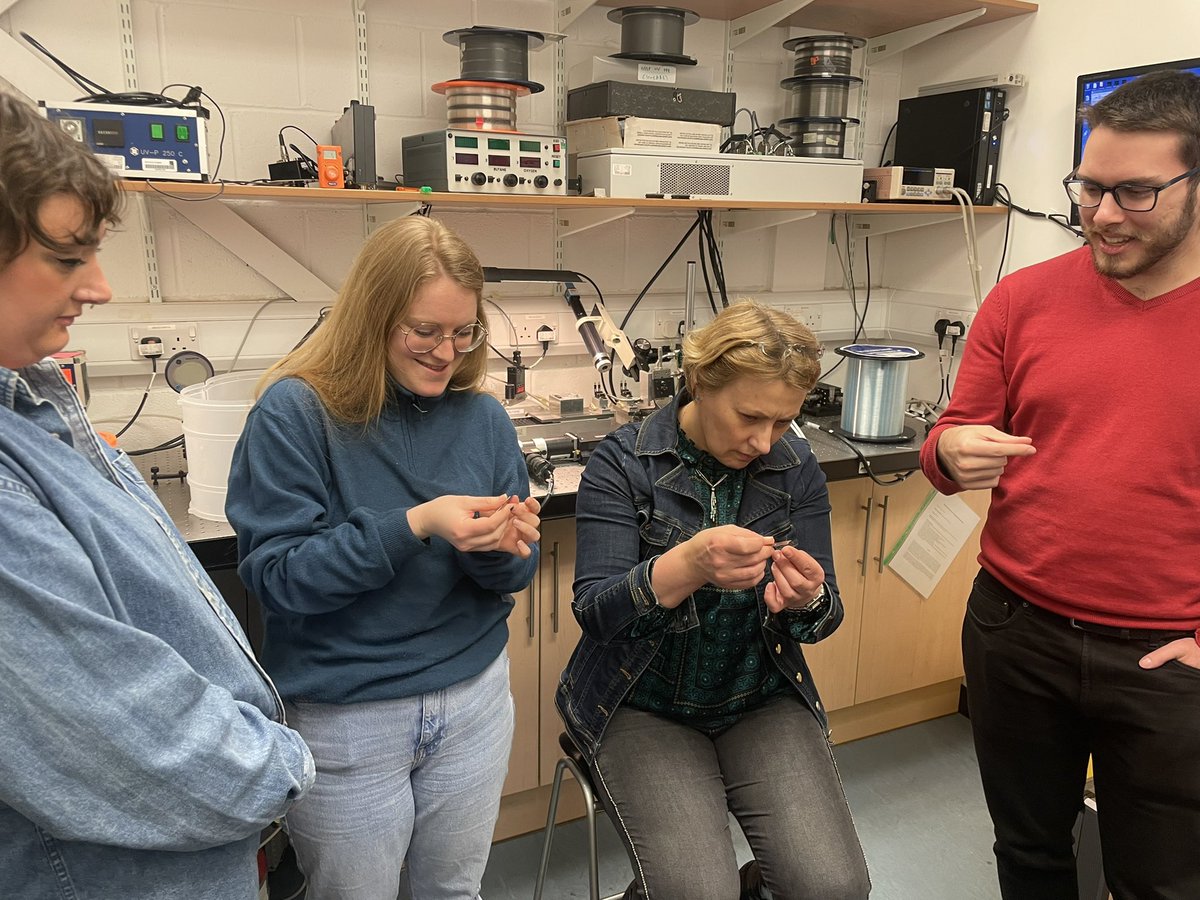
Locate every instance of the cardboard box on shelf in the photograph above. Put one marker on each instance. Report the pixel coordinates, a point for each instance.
(634, 131)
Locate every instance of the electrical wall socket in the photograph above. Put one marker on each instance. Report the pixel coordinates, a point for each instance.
(667, 322)
(954, 315)
(526, 328)
(809, 315)
(175, 336)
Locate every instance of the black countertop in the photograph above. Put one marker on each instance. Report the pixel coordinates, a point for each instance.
(839, 458)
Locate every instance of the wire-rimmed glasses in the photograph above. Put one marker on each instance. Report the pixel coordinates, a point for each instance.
(425, 337)
(781, 352)
(1130, 197)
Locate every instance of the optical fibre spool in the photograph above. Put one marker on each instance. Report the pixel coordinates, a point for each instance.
(491, 54)
(823, 54)
(653, 33)
(818, 136)
(876, 391)
(818, 95)
(481, 105)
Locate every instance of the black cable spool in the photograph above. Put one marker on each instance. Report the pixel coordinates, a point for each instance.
(653, 33)
(489, 53)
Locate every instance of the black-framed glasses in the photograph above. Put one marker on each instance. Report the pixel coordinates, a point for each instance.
(778, 353)
(1130, 197)
(425, 337)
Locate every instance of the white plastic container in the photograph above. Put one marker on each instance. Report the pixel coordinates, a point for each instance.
(214, 414)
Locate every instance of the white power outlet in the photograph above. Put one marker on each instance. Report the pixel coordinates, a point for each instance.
(667, 323)
(809, 315)
(175, 336)
(526, 328)
(954, 315)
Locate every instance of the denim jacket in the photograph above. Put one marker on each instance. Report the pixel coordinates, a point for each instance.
(635, 502)
(142, 748)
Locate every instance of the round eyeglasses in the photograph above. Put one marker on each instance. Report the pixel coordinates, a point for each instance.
(425, 337)
(1130, 197)
(780, 353)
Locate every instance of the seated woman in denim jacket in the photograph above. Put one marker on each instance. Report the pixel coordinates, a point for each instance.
(704, 563)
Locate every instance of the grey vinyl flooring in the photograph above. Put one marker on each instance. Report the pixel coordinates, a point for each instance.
(917, 804)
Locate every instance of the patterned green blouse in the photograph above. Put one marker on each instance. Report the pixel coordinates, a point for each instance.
(707, 677)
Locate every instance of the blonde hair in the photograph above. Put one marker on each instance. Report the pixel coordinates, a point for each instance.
(751, 340)
(345, 361)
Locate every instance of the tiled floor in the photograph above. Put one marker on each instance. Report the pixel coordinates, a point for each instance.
(916, 800)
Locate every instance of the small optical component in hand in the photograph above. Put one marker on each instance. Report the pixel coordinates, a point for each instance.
(187, 367)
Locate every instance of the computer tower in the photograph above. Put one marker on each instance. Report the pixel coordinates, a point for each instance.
(959, 130)
(354, 132)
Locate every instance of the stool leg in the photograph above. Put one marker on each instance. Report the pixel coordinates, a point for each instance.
(589, 809)
(549, 838)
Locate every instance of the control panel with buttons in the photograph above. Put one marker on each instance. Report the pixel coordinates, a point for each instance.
(137, 141)
(486, 162)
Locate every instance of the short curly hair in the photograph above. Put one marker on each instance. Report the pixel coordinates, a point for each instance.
(751, 340)
(1166, 102)
(39, 161)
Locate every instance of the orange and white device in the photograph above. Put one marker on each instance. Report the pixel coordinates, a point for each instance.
(330, 173)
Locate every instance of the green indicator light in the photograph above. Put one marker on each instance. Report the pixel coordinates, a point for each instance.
(183, 133)
(156, 131)
(497, 143)
(531, 146)
(465, 141)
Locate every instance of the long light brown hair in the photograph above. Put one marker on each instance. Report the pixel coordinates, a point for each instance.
(345, 361)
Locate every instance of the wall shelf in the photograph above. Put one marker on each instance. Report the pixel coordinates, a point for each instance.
(862, 18)
(189, 192)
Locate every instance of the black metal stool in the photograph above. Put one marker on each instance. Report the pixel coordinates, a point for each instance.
(572, 759)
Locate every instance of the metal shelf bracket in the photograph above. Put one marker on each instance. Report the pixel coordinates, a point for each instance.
(251, 246)
(885, 45)
(744, 222)
(569, 222)
(751, 25)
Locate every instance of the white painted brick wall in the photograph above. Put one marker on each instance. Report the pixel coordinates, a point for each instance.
(270, 63)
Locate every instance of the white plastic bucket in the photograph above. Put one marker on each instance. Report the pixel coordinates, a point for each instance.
(214, 413)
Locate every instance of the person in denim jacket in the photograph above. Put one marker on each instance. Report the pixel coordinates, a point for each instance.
(704, 563)
(142, 749)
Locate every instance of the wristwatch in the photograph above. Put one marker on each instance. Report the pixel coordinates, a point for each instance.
(822, 594)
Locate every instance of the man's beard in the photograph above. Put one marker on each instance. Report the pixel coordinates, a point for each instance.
(1155, 244)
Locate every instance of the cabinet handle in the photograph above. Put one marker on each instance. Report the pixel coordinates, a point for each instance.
(554, 602)
(532, 603)
(866, 538)
(882, 532)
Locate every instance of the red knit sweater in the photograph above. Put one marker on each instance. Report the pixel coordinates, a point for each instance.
(1103, 522)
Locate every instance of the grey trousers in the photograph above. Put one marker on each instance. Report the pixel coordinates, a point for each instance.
(670, 788)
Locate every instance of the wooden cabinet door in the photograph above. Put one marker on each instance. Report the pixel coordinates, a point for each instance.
(909, 641)
(524, 681)
(559, 631)
(834, 661)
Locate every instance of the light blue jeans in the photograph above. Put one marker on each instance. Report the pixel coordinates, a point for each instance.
(414, 781)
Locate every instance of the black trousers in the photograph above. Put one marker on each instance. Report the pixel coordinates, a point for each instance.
(1044, 693)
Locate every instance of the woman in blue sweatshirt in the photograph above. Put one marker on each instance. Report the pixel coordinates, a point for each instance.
(376, 494)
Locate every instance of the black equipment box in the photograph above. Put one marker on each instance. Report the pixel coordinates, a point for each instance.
(652, 101)
(959, 130)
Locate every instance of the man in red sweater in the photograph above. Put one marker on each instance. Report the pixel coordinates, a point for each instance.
(1072, 407)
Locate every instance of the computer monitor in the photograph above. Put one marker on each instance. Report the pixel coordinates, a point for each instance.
(1091, 88)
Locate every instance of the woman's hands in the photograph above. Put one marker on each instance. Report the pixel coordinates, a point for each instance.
(478, 524)
(797, 580)
(735, 558)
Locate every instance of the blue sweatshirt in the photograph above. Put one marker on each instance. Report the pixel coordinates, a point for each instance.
(355, 606)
